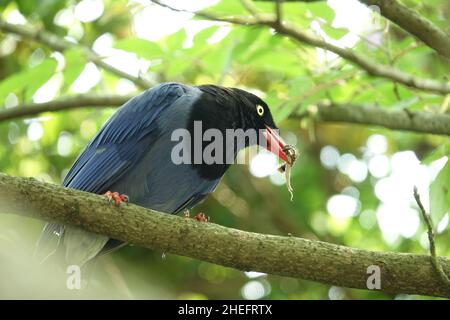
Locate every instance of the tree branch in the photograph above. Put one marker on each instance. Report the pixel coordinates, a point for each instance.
(67, 103)
(407, 19)
(368, 65)
(291, 30)
(284, 256)
(59, 44)
(417, 121)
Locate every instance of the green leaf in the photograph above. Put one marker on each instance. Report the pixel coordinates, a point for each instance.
(177, 67)
(214, 62)
(29, 80)
(441, 151)
(141, 47)
(440, 194)
(26, 7)
(228, 7)
(335, 33)
(39, 76)
(322, 10)
(74, 65)
(249, 43)
(201, 38)
(296, 93)
(175, 41)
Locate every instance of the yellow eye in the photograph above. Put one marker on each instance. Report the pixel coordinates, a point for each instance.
(260, 110)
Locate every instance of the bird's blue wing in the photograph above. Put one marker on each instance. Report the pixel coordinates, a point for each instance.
(123, 140)
(157, 181)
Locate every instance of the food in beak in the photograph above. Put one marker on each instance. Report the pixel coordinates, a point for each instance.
(286, 152)
(292, 155)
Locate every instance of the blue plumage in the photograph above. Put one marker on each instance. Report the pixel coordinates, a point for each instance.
(131, 155)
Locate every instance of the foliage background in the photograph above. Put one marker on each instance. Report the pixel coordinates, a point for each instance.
(352, 184)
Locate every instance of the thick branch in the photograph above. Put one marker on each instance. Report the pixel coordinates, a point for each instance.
(409, 20)
(294, 32)
(59, 44)
(285, 256)
(424, 122)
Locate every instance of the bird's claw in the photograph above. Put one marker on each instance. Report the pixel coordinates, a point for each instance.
(201, 217)
(118, 198)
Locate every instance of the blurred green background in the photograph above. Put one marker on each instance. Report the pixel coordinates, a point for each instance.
(352, 184)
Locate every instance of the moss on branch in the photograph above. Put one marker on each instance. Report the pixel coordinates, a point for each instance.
(278, 255)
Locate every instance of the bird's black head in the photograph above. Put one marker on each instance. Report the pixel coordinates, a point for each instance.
(231, 108)
(247, 110)
(257, 111)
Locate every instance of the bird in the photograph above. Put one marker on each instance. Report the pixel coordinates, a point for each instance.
(130, 158)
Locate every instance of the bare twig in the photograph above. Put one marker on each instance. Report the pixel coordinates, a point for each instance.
(409, 20)
(279, 11)
(59, 44)
(427, 218)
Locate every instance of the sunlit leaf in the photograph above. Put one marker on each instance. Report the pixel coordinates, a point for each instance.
(440, 194)
(143, 48)
(28, 81)
(202, 37)
(177, 68)
(335, 33)
(26, 6)
(322, 10)
(228, 7)
(175, 41)
(441, 151)
(74, 65)
(297, 92)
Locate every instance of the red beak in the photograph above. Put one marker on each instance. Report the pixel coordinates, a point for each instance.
(275, 144)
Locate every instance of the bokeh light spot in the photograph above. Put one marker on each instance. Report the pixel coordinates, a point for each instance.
(329, 157)
(35, 131)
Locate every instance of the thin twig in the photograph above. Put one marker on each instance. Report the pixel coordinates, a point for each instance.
(279, 11)
(409, 20)
(434, 261)
(64, 103)
(294, 32)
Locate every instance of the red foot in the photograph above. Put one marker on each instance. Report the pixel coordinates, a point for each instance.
(201, 217)
(116, 197)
